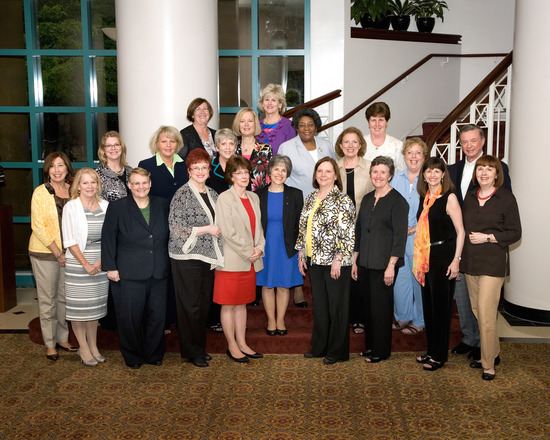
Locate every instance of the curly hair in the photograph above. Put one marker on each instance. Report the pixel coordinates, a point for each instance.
(309, 112)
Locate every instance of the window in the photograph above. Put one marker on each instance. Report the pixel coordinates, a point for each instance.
(261, 42)
(58, 92)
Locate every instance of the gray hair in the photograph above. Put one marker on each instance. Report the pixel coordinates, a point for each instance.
(224, 133)
(470, 127)
(383, 160)
(277, 160)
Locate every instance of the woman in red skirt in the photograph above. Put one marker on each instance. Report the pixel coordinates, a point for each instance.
(238, 212)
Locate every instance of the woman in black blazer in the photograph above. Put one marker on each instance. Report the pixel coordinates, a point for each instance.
(281, 206)
(380, 240)
(134, 252)
(198, 134)
(167, 168)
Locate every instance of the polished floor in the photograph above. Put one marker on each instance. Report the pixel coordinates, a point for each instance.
(17, 319)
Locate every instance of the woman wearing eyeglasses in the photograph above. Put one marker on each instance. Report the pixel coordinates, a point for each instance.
(239, 217)
(113, 169)
(114, 173)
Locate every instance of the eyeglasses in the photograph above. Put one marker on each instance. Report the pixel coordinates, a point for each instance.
(200, 169)
(111, 146)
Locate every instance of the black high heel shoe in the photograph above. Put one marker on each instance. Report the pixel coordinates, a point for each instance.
(52, 357)
(240, 360)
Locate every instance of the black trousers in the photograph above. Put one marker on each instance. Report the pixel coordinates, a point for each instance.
(194, 285)
(378, 310)
(330, 312)
(140, 310)
(437, 301)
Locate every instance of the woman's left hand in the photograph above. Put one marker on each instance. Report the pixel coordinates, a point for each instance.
(478, 238)
(389, 275)
(335, 269)
(453, 269)
(255, 255)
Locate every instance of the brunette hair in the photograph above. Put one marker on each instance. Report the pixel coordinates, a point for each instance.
(362, 141)
(336, 171)
(489, 161)
(193, 105)
(101, 150)
(75, 192)
(233, 165)
(430, 164)
(378, 109)
(49, 161)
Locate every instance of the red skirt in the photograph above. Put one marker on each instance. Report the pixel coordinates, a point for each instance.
(235, 288)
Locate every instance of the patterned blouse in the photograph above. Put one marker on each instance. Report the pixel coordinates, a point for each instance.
(114, 187)
(333, 228)
(259, 159)
(188, 211)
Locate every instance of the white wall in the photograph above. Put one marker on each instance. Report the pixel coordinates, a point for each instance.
(368, 65)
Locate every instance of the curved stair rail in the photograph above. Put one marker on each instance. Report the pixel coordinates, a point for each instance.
(487, 106)
(402, 77)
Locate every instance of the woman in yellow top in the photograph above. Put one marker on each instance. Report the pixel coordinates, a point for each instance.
(47, 254)
(325, 244)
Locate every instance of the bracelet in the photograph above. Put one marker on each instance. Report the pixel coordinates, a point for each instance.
(393, 262)
(488, 238)
(59, 256)
(459, 258)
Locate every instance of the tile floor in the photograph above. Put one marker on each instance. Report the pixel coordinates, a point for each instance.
(17, 319)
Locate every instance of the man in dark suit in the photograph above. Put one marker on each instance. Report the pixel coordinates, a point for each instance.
(134, 252)
(472, 140)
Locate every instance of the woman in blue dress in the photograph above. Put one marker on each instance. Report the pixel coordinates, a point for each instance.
(280, 206)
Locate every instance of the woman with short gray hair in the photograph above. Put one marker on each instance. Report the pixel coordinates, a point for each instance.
(280, 206)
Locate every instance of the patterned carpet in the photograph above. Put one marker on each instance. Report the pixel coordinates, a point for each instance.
(279, 397)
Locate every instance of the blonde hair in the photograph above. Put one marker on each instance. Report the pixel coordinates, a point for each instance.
(237, 121)
(75, 192)
(171, 133)
(273, 89)
(101, 150)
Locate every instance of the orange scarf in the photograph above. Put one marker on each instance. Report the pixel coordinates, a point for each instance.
(421, 253)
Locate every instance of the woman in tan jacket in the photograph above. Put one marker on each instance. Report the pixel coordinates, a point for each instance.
(239, 218)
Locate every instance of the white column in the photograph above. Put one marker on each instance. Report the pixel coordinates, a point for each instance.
(529, 159)
(167, 55)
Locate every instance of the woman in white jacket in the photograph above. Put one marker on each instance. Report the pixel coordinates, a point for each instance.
(86, 286)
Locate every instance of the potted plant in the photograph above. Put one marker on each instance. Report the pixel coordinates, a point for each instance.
(371, 13)
(400, 14)
(425, 11)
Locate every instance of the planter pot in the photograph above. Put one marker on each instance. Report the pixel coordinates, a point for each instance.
(400, 22)
(425, 24)
(368, 23)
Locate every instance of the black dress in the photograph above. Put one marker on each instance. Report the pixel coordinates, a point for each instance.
(438, 291)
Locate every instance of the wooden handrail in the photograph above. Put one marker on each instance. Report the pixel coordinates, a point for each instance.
(314, 102)
(468, 100)
(400, 78)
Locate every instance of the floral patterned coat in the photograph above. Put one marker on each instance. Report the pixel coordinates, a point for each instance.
(259, 159)
(333, 228)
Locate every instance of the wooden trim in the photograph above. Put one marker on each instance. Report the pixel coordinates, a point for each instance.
(314, 102)
(418, 37)
(400, 78)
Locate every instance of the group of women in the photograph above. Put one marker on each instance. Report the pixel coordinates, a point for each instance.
(211, 217)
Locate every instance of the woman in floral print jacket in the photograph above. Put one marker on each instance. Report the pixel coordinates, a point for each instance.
(325, 244)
